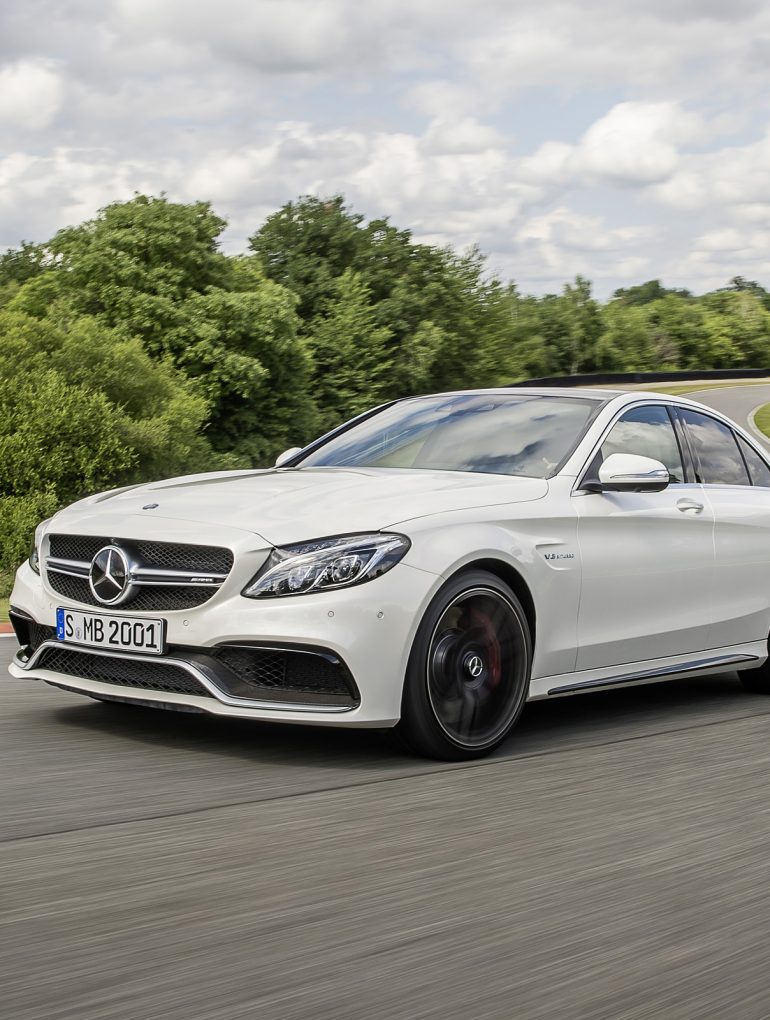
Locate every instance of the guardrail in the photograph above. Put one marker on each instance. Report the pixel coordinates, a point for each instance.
(606, 378)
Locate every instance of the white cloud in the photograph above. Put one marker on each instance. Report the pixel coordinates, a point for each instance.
(686, 47)
(635, 143)
(731, 176)
(606, 137)
(30, 94)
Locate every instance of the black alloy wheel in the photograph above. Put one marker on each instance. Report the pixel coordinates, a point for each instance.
(469, 670)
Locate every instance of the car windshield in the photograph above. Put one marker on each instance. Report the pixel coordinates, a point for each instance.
(492, 433)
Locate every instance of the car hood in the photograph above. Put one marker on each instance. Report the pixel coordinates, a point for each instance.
(294, 505)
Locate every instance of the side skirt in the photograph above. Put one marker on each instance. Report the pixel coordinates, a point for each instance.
(719, 661)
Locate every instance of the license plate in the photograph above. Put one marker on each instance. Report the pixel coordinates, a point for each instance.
(121, 633)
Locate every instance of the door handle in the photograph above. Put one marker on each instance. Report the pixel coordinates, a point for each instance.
(689, 506)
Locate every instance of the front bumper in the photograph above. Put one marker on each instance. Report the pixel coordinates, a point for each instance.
(368, 630)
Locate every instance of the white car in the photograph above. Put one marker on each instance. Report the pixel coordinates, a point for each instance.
(431, 565)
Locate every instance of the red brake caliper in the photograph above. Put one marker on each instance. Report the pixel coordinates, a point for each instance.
(491, 646)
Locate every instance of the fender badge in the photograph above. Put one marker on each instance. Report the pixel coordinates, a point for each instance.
(149, 506)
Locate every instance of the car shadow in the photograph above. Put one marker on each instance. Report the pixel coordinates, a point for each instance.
(546, 727)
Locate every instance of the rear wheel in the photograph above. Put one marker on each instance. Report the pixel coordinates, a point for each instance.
(468, 672)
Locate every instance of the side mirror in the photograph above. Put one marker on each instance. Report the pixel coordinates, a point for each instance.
(287, 455)
(626, 472)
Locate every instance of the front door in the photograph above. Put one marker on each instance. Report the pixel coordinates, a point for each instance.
(647, 558)
(736, 480)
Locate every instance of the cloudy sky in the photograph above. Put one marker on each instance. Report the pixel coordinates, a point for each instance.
(621, 140)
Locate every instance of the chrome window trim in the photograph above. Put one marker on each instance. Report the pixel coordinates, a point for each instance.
(577, 488)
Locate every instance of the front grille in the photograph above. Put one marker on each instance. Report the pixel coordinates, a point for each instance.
(76, 547)
(160, 556)
(155, 598)
(287, 670)
(200, 559)
(139, 675)
(203, 559)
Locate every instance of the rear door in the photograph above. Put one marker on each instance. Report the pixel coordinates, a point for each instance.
(736, 481)
(647, 558)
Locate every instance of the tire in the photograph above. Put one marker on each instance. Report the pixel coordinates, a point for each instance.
(468, 672)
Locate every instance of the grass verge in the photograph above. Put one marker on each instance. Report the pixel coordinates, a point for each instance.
(762, 419)
(679, 389)
(3, 610)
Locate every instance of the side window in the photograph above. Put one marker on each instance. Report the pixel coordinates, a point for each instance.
(647, 432)
(758, 469)
(715, 449)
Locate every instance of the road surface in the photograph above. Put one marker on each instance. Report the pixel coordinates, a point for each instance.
(610, 861)
(738, 403)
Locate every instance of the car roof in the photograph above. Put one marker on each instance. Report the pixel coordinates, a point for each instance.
(536, 391)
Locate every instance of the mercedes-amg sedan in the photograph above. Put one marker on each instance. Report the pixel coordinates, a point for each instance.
(429, 566)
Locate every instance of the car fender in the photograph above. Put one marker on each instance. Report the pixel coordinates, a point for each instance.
(542, 552)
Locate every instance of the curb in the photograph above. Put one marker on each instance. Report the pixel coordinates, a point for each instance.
(6, 628)
(753, 425)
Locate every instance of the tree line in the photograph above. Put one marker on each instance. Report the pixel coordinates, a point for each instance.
(133, 347)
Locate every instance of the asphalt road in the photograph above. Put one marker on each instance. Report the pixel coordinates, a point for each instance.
(738, 402)
(609, 862)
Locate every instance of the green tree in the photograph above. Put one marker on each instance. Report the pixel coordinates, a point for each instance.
(242, 350)
(83, 409)
(738, 326)
(349, 352)
(151, 268)
(678, 333)
(644, 293)
(439, 310)
(136, 261)
(17, 266)
(570, 325)
(740, 283)
(626, 342)
(307, 245)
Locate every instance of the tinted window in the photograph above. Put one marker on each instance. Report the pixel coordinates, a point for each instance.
(759, 471)
(646, 432)
(487, 432)
(715, 449)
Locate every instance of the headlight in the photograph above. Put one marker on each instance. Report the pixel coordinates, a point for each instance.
(327, 564)
(34, 556)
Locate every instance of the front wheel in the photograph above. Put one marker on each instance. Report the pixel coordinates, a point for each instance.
(468, 673)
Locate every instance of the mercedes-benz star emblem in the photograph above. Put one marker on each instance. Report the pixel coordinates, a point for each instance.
(474, 666)
(110, 576)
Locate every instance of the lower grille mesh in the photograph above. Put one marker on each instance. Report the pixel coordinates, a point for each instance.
(38, 633)
(274, 669)
(145, 676)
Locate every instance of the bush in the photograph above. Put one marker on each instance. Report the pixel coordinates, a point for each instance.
(83, 409)
(19, 516)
